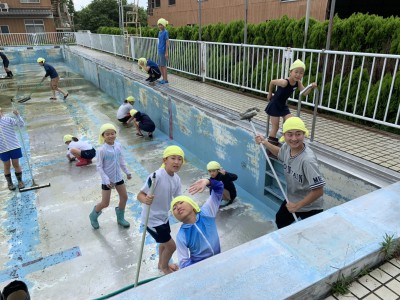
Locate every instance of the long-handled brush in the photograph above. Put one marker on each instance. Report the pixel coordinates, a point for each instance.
(151, 183)
(26, 98)
(34, 186)
(248, 115)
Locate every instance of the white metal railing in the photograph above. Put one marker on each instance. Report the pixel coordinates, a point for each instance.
(36, 39)
(353, 84)
(358, 85)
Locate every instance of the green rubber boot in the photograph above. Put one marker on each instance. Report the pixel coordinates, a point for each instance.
(120, 217)
(93, 218)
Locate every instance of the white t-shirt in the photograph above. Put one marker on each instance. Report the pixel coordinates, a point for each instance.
(167, 187)
(124, 110)
(81, 145)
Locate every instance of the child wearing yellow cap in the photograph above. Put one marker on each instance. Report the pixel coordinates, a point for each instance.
(304, 181)
(83, 151)
(163, 47)
(54, 78)
(168, 186)
(123, 111)
(197, 238)
(217, 172)
(277, 107)
(142, 122)
(151, 68)
(10, 149)
(110, 162)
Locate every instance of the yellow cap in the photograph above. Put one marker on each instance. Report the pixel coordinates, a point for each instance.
(297, 64)
(142, 62)
(293, 123)
(133, 112)
(185, 199)
(213, 165)
(173, 150)
(68, 138)
(163, 22)
(41, 59)
(103, 128)
(130, 99)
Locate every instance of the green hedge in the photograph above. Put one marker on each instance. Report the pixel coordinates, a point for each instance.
(359, 32)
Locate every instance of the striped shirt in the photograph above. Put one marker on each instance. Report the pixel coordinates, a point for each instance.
(8, 138)
(110, 162)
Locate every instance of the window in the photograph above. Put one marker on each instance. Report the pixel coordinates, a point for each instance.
(29, 1)
(4, 29)
(157, 3)
(171, 2)
(34, 26)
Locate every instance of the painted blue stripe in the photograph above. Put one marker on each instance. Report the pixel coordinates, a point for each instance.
(22, 269)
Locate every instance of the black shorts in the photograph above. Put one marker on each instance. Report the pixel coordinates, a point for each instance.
(147, 127)
(162, 233)
(88, 154)
(125, 119)
(106, 188)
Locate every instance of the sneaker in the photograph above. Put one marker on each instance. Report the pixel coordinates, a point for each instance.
(161, 81)
(139, 134)
(11, 187)
(21, 185)
(151, 135)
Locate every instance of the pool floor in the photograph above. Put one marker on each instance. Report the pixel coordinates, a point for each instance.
(46, 237)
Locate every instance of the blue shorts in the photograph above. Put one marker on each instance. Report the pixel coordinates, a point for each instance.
(162, 61)
(12, 154)
(161, 233)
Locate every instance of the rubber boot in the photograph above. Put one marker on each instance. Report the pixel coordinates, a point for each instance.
(82, 162)
(93, 218)
(11, 186)
(21, 184)
(9, 74)
(120, 217)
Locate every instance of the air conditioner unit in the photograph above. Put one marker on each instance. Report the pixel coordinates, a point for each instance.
(3, 7)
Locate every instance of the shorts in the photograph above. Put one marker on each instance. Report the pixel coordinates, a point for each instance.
(162, 61)
(88, 154)
(106, 188)
(125, 119)
(275, 110)
(161, 233)
(6, 63)
(147, 127)
(12, 154)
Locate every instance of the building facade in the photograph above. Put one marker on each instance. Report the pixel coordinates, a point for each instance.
(186, 12)
(33, 16)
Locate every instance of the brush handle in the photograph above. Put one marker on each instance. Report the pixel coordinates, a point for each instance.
(151, 192)
(273, 170)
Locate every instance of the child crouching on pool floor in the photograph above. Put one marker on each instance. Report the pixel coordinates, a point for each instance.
(197, 238)
(110, 161)
(80, 150)
(142, 122)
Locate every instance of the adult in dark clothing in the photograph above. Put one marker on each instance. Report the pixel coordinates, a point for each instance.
(217, 172)
(142, 122)
(6, 62)
(54, 78)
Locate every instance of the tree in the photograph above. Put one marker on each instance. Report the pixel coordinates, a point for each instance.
(98, 13)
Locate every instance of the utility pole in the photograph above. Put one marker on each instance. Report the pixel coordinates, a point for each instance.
(199, 19)
(246, 6)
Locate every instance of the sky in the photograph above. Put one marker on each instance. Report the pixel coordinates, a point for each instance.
(79, 4)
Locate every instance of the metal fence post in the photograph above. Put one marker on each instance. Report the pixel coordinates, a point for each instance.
(203, 61)
(133, 54)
